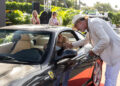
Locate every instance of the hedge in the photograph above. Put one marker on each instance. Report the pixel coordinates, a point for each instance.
(17, 17)
(65, 15)
(23, 6)
(115, 17)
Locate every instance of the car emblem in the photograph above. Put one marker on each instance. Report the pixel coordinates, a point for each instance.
(51, 74)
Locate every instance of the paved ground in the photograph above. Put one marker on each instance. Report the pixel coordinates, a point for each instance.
(104, 67)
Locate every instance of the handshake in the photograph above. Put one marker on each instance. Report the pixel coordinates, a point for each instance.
(67, 45)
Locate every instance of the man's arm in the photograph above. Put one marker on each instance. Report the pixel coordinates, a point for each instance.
(81, 42)
(78, 43)
(103, 39)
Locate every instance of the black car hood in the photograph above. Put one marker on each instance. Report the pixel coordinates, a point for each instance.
(11, 72)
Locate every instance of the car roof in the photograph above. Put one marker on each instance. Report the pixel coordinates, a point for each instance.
(33, 27)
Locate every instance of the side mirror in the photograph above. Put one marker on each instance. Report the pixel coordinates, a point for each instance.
(64, 62)
(67, 54)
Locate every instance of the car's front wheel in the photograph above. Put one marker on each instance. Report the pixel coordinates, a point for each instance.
(97, 73)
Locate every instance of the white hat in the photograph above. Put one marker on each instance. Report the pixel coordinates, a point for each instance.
(76, 17)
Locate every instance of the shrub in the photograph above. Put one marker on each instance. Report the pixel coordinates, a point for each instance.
(65, 16)
(23, 6)
(1, 40)
(27, 19)
(115, 18)
(8, 38)
(67, 20)
(18, 17)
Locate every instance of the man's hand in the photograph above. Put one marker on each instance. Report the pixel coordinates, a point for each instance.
(67, 45)
(91, 53)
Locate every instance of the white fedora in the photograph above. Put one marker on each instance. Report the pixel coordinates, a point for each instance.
(76, 17)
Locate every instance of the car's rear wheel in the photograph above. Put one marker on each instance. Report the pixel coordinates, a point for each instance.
(97, 73)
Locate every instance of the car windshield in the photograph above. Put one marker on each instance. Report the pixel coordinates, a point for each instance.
(24, 46)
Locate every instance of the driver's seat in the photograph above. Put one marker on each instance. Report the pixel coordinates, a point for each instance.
(23, 43)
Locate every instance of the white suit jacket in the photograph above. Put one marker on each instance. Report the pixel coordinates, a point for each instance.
(105, 41)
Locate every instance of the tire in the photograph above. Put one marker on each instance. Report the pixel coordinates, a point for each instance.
(97, 73)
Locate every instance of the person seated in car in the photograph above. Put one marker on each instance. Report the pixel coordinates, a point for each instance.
(60, 48)
(60, 44)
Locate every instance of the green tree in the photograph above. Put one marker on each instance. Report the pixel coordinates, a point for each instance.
(104, 7)
(116, 6)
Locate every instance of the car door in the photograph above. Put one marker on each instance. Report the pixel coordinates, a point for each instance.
(73, 36)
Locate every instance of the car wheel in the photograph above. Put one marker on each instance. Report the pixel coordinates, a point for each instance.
(97, 73)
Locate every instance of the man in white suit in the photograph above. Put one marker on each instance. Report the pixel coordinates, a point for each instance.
(105, 42)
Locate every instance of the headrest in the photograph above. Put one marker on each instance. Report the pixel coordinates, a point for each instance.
(17, 36)
(25, 37)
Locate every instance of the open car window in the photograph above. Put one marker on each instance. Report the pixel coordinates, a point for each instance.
(66, 37)
(70, 37)
(23, 46)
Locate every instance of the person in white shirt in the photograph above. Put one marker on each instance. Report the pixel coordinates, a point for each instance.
(105, 42)
(53, 20)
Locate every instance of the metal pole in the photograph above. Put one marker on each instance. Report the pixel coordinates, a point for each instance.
(2, 13)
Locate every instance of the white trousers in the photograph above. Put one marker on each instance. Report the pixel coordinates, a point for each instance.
(111, 74)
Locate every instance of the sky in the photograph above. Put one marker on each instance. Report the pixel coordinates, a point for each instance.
(111, 2)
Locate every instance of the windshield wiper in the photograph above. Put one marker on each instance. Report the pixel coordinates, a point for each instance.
(6, 57)
(10, 59)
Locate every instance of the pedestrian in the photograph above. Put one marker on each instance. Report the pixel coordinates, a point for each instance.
(53, 20)
(35, 18)
(105, 42)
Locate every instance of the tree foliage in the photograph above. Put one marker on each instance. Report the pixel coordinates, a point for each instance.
(115, 17)
(104, 7)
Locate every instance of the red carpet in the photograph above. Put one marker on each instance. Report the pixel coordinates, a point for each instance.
(81, 78)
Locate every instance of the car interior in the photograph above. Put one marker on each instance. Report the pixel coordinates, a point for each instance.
(23, 43)
(22, 46)
(68, 37)
(71, 38)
